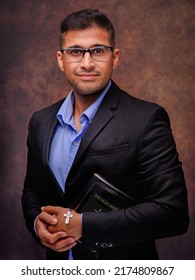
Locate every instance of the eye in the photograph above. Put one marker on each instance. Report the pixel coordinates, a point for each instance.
(75, 52)
(98, 51)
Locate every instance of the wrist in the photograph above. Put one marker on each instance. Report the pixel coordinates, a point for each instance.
(75, 225)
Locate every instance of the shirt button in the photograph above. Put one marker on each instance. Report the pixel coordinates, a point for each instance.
(75, 143)
(82, 119)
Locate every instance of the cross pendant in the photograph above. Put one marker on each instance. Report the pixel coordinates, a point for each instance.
(68, 215)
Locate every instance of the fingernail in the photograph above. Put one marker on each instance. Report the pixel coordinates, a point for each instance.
(54, 221)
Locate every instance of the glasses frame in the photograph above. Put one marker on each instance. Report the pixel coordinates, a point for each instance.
(89, 50)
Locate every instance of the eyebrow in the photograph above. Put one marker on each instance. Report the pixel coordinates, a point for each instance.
(80, 47)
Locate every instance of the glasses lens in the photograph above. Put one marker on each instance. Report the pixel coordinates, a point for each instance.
(101, 53)
(73, 55)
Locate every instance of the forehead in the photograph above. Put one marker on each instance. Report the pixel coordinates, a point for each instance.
(86, 37)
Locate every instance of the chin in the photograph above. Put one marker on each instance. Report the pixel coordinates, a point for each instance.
(86, 90)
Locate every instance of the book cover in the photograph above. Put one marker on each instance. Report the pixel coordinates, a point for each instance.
(101, 196)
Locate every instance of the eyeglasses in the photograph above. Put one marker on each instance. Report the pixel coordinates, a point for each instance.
(100, 53)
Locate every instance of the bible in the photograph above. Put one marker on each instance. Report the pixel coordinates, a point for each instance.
(101, 196)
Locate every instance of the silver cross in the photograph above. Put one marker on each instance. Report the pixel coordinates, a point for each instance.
(68, 215)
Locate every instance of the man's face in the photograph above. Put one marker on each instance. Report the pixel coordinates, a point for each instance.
(88, 75)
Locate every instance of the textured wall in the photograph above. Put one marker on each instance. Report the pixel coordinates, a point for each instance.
(157, 63)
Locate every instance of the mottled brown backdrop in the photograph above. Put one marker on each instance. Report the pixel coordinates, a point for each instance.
(156, 38)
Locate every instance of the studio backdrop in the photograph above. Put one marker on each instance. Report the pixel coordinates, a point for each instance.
(157, 63)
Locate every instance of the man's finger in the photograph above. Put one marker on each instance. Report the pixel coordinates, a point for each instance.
(48, 218)
(60, 245)
(51, 209)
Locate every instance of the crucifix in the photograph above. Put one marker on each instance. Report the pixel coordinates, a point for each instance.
(68, 215)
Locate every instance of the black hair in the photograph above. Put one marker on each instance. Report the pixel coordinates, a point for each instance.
(86, 19)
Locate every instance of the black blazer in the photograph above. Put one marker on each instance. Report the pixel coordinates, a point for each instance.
(129, 143)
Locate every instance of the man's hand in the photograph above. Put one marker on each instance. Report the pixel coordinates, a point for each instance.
(73, 228)
(58, 241)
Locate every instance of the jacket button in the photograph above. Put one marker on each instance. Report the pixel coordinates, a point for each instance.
(98, 244)
(104, 245)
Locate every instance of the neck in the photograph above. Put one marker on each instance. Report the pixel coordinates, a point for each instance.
(81, 103)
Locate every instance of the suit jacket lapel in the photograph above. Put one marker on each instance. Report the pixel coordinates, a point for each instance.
(47, 140)
(102, 117)
(49, 130)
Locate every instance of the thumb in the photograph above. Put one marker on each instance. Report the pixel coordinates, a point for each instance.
(48, 218)
(54, 220)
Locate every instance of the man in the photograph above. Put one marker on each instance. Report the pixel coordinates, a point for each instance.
(100, 128)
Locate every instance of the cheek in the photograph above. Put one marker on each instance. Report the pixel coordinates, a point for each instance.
(107, 71)
(69, 71)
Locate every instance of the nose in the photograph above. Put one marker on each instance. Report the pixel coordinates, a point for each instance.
(87, 51)
(87, 60)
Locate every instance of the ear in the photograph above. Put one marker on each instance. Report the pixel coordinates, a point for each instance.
(115, 56)
(60, 60)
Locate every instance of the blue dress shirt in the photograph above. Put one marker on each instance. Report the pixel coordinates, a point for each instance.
(66, 139)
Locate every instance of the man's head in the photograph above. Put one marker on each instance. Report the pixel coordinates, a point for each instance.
(87, 56)
(86, 19)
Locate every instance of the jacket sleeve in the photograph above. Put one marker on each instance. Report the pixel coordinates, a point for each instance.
(163, 208)
(31, 195)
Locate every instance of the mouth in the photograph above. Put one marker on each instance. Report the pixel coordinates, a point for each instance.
(88, 76)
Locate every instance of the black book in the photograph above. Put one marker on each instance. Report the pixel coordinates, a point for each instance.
(101, 196)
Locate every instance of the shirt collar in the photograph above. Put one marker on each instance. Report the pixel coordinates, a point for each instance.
(65, 112)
